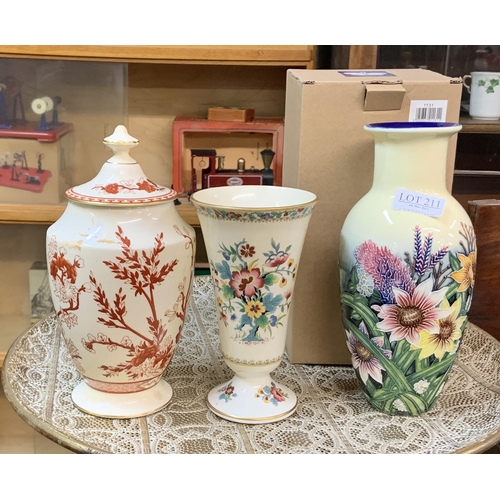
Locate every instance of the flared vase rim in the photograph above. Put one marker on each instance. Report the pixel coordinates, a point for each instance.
(246, 207)
(413, 126)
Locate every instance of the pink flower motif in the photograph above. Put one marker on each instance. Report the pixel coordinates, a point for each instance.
(412, 313)
(362, 359)
(275, 259)
(386, 269)
(246, 282)
(277, 394)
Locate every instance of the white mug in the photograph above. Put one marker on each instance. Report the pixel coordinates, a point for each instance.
(484, 92)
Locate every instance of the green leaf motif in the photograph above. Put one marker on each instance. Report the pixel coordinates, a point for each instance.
(385, 395)
(271, 279)
(452, 289)
(355, 315)
(415, 404)
(361, 299)
(262, 321)
(227, 292)
(481, 83)
(454, 262)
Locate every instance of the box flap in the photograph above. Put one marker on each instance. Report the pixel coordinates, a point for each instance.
(336, 76)
(383, 96)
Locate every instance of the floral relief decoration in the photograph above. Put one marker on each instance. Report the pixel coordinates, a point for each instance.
(404, 318)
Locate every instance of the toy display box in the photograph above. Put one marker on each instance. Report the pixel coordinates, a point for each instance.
(210, 153)
(36, 166)
(327, 151)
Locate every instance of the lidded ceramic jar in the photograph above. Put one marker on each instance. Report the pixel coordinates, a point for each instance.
(121, 264)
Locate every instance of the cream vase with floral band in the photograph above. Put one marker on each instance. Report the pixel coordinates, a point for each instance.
(407, 263)
(254, 237)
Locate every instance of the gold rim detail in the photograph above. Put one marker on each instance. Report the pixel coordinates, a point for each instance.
(253, 419)
(252, 362)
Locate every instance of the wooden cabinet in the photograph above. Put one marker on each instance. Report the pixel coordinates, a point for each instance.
(477, 171)
(162, 82)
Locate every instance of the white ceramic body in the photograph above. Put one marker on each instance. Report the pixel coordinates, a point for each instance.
(254, 237)
(378, 252)
(484, 89)
(121, 338)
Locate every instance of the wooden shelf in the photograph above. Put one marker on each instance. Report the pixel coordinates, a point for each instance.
(260, 55)
(471, 126)
(30, 214)
(47, 214)
(188, 213)
(250, 55)
(150, 86)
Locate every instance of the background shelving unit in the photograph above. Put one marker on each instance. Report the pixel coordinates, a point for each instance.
(162, 83)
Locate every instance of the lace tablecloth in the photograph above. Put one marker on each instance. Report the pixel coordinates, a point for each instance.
(332, 415)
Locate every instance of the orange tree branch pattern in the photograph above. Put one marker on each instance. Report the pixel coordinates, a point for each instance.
(64, 275)
(142, 272)
(184, 287)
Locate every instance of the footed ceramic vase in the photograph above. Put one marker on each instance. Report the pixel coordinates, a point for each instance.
(254, 237)
(407, 264)
(121, 264)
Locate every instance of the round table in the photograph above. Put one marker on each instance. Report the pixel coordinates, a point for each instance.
(332, 415)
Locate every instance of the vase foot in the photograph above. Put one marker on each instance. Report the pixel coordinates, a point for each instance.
(256, 401)
(130, 405)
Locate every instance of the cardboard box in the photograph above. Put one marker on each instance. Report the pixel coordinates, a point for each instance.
(327, 151)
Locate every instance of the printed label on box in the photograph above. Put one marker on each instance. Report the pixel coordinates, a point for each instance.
(424, 204)
(428, 111)
(366, 73)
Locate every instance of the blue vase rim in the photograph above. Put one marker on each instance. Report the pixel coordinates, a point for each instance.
(411, 125)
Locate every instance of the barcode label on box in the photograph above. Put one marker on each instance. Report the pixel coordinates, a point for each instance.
(428, 111)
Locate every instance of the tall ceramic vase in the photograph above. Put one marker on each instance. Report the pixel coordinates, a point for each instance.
(121, 262)
(407, 263)
(254, 237)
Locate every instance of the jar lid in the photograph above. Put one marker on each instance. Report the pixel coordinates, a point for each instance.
(121, 180)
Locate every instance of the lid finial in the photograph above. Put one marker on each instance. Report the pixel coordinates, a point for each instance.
(121, 142)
